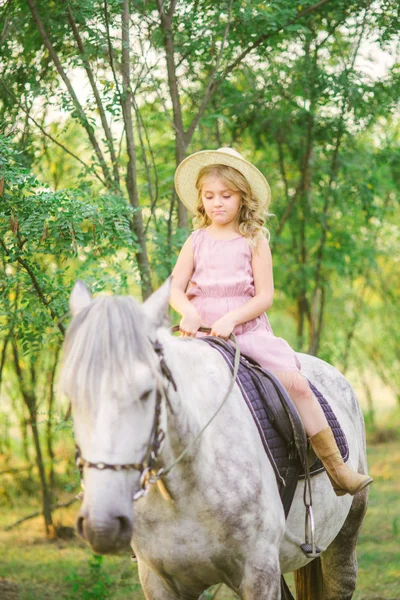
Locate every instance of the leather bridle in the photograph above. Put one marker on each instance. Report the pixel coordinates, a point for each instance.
(148, 472)
(157, 435)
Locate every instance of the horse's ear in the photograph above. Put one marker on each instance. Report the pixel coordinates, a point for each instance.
(155, 307)
(80, 297)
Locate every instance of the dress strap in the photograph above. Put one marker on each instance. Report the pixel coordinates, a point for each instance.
(197, 236)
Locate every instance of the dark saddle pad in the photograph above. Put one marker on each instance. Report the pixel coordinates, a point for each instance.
(277, 420)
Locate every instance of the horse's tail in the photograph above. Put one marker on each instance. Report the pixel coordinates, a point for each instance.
(308, 581)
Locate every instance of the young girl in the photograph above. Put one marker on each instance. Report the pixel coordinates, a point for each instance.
(223, 280)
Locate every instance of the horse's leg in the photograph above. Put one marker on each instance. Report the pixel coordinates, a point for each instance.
(262, 578)
(153, 586)
(339, 561)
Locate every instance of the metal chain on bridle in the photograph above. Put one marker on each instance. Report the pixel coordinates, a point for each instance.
(148, 464)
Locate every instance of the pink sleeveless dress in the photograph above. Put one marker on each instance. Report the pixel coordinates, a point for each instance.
(222, 281)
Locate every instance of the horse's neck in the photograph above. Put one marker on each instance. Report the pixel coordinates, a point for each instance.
(201, 385)
(183, 411)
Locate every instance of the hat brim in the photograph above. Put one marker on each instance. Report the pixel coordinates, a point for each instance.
(188, 171)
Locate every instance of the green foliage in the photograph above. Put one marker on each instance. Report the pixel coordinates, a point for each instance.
(50, 238)
(94, 586)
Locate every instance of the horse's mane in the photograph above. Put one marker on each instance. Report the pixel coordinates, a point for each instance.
(103, 342)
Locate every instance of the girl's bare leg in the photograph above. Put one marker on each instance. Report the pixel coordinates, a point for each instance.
(307, 405)
(343, 479)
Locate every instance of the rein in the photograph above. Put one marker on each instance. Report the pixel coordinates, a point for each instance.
(146, 467)
(164, 471)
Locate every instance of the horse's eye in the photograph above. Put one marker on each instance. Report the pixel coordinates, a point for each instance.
(145, 395)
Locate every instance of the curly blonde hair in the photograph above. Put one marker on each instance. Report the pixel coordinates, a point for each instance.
(252, 212)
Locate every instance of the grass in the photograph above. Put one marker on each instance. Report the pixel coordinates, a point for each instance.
(65, 569)
(379, 544)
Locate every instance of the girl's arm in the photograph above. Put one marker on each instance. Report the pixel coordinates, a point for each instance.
(264, 293)
(181, 275)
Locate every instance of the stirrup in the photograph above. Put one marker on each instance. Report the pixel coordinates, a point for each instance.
(310, 548)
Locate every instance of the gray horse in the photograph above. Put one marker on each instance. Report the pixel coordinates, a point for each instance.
(216, 515)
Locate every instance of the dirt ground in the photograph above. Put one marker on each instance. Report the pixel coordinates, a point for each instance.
(8, 590)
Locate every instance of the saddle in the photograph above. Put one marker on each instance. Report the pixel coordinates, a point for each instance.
(278, 422)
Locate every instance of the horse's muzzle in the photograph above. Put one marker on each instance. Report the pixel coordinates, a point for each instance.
(107, 536)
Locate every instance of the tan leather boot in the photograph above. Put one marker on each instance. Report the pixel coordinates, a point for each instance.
(343, 479)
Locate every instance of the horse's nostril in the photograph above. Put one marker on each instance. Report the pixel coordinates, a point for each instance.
(79, 526)
(124, 525)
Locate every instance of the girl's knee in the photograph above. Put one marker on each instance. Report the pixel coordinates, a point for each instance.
(301, 385)
(295, 384)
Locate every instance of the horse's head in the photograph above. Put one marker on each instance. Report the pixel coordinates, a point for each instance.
(111, 376)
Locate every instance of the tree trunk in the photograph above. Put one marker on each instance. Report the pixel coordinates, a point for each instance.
(330, 194)
(96, 94)
(30, 400)
(131, 183)
(3, 355)
(370, 402)
(5, 445)
(79, 109)
(317, 317)
(46, 500)
(25, 439)
(181, 143)
(50, 420)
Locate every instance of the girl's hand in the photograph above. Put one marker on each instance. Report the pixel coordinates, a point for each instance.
(223, 327)
(190, 323)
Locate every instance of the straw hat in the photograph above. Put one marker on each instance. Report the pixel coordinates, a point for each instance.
(188, 171)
